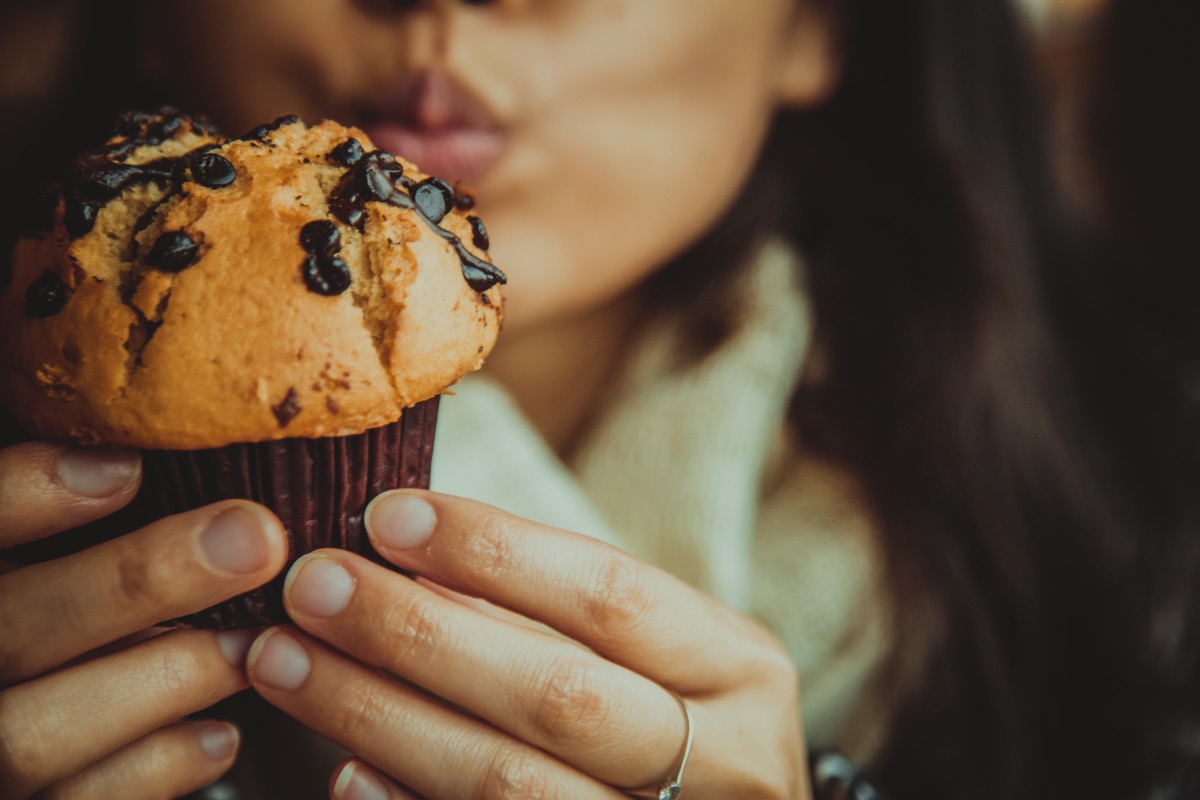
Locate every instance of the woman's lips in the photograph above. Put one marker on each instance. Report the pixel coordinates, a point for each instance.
(431, 120)
(454, 154)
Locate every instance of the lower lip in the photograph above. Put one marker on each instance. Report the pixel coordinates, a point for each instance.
(457, 154)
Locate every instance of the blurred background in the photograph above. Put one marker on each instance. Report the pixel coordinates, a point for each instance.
(41, 54)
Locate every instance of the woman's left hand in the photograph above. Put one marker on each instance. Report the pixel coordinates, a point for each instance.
(440, 699)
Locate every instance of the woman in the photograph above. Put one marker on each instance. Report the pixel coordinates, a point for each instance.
(824, 222)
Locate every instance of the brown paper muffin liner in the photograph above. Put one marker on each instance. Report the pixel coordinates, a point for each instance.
(319, 488)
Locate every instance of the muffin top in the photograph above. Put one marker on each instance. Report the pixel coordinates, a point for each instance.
(181, 290)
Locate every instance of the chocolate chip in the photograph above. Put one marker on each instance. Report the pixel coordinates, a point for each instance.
(329, 276)
(479, 234)
(288, 408)
(383, 158)
(348, 153)
(204, 126)
(46, 296)
(213, 170)
(79, 216)
(132, 122)
(174, 251)
(348, 208)
(256, 134)
(166, 128)
(320, 237)
(263, 132)
(434, 197)
(374, 177)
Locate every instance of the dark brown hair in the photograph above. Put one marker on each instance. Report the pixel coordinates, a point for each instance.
(1027, 449)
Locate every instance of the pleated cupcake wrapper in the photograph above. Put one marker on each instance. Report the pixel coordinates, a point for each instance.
(319, 488)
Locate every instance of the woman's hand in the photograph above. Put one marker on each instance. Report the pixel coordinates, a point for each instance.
(488, 705)
(91, 700)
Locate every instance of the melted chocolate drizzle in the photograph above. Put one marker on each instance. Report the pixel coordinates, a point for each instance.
(96, 178)
(378, 176)
(100, 175)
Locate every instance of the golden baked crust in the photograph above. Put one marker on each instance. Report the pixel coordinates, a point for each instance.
(191, 316)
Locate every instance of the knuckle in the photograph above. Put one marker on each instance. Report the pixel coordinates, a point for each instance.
(139, 581)
(362, 712)
(411, 627)
(570, 704)
(514, 773)
(621, 599)
(177, 671)
(492, 550)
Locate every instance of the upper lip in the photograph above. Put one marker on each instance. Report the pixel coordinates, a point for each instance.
(431, 101)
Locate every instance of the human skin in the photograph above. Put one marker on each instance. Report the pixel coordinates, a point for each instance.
(625, 128)
(92, 698)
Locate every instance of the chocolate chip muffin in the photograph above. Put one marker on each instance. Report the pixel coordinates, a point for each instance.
(271, 316)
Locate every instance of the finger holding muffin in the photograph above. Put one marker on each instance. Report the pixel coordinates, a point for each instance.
(95, 699)
(447, 701)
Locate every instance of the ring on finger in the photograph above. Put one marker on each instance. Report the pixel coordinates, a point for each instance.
(672, 787)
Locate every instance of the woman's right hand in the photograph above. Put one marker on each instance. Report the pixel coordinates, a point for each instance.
(92, 701)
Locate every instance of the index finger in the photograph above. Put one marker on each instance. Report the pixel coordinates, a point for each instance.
(57, 610)
(626, 610)
(49, 488)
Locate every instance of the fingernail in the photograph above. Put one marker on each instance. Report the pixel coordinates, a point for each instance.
(318, 586)
(234, 645)
(400, 521)
(235, 540)
(356, 783)
(98, 471)
(218, 740)
(278, 661)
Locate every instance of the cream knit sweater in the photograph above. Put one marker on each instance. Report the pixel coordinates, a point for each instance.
(691, 468)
